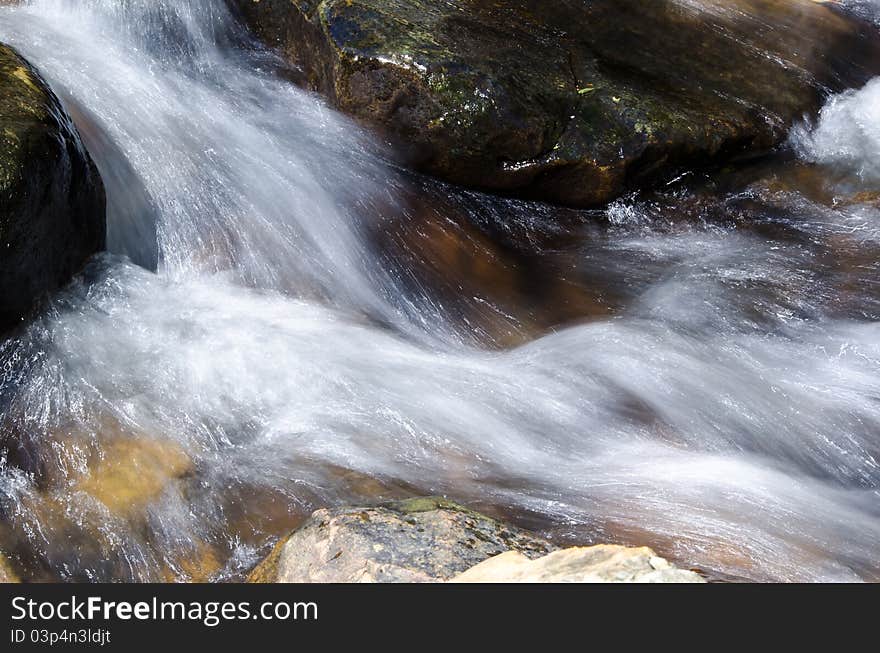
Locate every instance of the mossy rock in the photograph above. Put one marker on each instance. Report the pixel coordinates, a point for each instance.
(570, 101)
(417, 540)
(52, 202)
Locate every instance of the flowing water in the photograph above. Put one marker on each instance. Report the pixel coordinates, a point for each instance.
(285, 321)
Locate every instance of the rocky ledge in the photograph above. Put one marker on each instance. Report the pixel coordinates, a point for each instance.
(52, 203)
(570, 101)
(435, 540)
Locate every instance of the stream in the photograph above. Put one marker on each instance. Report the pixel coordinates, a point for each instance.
(286, 320)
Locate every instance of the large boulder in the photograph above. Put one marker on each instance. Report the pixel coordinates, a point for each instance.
(52, 203)
(415, 541)
(571, 101)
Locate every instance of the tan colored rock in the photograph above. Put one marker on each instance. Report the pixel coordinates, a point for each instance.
(131, 473)
(199, 563)
(605, 563)
(7, 575)
(116, 475)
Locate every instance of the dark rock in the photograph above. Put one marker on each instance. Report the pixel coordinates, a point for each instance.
(571, 101)
(52, 203)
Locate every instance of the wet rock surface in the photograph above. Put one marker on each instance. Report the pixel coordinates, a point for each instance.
(570, 101)
(52, 203)
(7, 575)
(89, 481)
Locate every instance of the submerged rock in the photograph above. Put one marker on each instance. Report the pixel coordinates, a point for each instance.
(604, 563)
(99, 494)
(7, 575)
(52, 203)
(420, 540)
(570, 101)
(130, 474)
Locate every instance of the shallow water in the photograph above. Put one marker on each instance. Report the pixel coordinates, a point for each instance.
(287, 321)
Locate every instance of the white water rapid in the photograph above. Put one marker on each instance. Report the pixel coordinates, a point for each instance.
(727, 412)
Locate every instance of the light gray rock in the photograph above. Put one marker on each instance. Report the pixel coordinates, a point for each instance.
(604, 563)
(415, 541)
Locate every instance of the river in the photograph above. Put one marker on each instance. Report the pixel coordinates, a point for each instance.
(697, 369)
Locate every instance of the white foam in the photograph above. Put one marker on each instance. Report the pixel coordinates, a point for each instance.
(847, 133)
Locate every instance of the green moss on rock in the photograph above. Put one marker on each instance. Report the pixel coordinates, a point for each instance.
(417, 540)
(52, 200)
